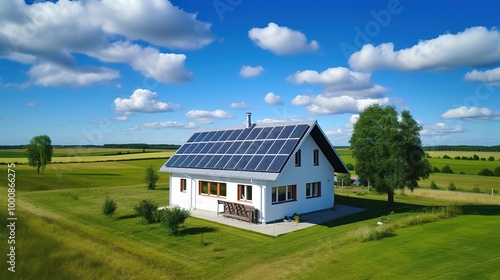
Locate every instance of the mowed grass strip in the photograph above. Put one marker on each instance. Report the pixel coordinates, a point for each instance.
(84, 175)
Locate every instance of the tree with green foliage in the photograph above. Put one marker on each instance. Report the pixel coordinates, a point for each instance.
(39, 152)
(148, 210)
(446, 169)
(172, 218)
(344, 179)
(486, 172)
(433, 186)
(491, 158)
(497, 171)
(109, 206)
(476, 157)
(151, 177)
(388, 150)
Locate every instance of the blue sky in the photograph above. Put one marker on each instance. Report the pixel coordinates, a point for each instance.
(110, 71)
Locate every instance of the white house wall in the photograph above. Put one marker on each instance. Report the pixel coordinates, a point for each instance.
(191, 199)
(307, 172)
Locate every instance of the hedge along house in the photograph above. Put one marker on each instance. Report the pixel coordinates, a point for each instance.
(277, 169)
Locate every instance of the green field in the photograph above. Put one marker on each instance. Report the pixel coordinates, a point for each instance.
(61, 233)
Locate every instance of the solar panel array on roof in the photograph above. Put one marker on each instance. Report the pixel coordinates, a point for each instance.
(263, 149)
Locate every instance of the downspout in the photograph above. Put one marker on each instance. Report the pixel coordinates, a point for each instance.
(261, 209)
(191, 189)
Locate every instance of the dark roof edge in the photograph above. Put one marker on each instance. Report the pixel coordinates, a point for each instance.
(326, 147)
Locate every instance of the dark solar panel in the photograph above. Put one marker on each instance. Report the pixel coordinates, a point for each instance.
(263, 149)
(277, 164)
(276, 147)
(235, 134)
(253, 134)
(264, 133)
(299, 131)
(264, 163)
(191, 139)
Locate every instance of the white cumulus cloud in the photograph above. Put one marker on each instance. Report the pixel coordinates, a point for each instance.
(204, 116)
(55, 33)
(472, 113)
(48, 74)
(490, 77)
(143, 100)
(249, 71)
(340, 81)
(273, 99)
(169, 124)
(473, 47)
(281, 39)
(238, 105)
(331, 105)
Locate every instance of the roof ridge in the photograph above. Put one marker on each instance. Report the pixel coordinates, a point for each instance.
(258, 124)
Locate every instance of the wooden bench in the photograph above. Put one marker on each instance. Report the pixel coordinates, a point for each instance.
(237, 211)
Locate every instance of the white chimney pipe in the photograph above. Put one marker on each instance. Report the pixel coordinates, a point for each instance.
(249, 120)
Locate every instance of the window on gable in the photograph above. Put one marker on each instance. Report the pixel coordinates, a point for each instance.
(297, 158)
(183, 185)
(316, 157)
(284, 194)
(313, 189)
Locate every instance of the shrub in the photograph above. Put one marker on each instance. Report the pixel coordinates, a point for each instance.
(435, 170)
(433, 186)
(452, 187)
(446, 157)
(497, 172)
(465, 158)
(172, 218)
(457, 157)
(476, 190)
(486, 172)
(491, 158)
(476, 157)
(350, 166)
(148, 210)
(446, 169)
(483, 159)
(109, 206)
(151, 177)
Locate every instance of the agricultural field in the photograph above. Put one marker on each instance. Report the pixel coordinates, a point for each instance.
(465, 172)
(60, 223)
(84, 154)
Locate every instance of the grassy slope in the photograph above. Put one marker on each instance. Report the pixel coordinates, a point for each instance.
(60, 223)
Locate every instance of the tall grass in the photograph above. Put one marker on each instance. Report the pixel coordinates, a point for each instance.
(389, 224)
(457, 197)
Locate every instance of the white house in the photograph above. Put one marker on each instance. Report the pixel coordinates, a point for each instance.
(275, 170)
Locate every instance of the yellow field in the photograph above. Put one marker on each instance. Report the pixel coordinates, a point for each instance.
(85, 158)
(453, 154)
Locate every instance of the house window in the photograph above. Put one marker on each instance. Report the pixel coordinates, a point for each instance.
(316, 157)
(212, 189)
(313, 189)
(297, 158)
(244, 193)
(183, 185)
(283, 194)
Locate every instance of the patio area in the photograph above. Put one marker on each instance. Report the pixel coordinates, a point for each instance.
(281, 227)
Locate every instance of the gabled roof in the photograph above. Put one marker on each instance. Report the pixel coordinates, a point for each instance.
(258, 152)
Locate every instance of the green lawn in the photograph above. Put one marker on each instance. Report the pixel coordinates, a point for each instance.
(61, 234)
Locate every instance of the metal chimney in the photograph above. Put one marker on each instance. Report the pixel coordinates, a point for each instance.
(249, 120)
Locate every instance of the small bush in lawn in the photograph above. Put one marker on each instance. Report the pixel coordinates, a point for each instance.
(433, 186)
(452, 187)
(172, 218)
(109, 206)
(446, 169)
(476, 190)
(486, 172)
(151, 177)
(147, 209)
